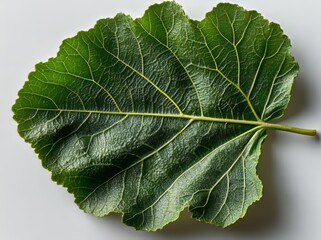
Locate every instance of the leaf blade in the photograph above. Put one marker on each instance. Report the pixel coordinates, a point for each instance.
(127, 110)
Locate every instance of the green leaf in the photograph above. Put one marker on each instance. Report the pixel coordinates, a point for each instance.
(147, 117)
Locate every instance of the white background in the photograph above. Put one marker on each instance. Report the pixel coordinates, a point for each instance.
(32, 207)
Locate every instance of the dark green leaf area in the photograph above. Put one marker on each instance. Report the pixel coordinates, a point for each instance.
(147, 117)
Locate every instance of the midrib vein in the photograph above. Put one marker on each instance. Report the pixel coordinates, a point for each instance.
(161, 115)
(310, 132)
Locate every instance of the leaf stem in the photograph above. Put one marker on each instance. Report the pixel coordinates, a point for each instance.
(302, 131)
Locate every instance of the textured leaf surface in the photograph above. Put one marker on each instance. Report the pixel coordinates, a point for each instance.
(149, 116)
